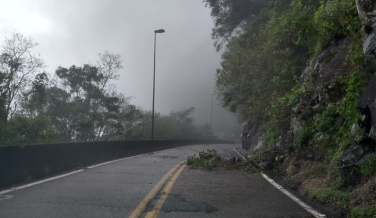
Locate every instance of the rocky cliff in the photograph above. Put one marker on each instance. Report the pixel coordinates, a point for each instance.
(326, 151)
(367, 103)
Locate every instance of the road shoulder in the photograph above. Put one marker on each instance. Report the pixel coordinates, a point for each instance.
(222, 193)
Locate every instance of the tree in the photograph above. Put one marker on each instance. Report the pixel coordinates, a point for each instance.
(34, 101)
(81, 103)
(17, 65)
(62, 112)
(28, 130)
(141, 129)
(230, 15)
(96, 109)
(131, 118)
(109, 64)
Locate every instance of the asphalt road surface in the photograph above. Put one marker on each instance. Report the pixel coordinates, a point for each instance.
(152, 185)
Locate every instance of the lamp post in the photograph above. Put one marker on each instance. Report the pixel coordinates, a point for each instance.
(152, 115)
(211, 113)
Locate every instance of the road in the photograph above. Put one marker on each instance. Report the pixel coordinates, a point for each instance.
(146, 186)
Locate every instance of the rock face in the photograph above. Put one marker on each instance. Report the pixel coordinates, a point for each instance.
(367, 107)
(265, 165)
(324, 69)
(249, 135)
(358, 133)
(367, 103)
(367, 14)
(352, 155)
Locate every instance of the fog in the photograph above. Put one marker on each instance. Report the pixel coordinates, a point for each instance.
(74, 32)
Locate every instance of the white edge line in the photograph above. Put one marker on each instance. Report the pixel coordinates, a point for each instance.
(305, 206)
(39, 182)
(74, 172)
(63, 175)
(97, 165)
(239, 154)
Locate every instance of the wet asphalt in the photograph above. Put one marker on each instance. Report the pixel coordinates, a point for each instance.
(116, 189)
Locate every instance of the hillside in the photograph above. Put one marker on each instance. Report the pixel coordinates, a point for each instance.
(301, 76)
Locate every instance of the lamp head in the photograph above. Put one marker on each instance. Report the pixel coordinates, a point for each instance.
(159, 31)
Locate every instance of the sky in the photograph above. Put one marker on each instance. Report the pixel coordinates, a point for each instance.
(74, 32)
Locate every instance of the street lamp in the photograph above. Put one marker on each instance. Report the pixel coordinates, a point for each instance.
(152, 115)
(211, 113)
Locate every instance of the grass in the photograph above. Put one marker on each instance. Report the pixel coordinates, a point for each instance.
(322, 183)
(364, 213)
(329, 58)
(329, 196)
(368, 168)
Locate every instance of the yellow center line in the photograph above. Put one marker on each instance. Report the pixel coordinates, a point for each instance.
(154, 213)
(141, 207)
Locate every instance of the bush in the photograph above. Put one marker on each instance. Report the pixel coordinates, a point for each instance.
(368, 168)
(25, 130)
(210, 159)
(328, 195)
(327, 121)
(333, 20)
(304, 135)
(363, 213)
(205, 159)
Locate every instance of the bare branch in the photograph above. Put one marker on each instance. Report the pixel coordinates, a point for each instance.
(109, 64)
(18, 65)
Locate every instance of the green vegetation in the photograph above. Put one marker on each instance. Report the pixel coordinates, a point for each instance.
(271, 74)
(328, 195)
(205, 159)
(363, 213)
(303, 137)
(260, 67)
(210, 159)
(76, 104)
(368, 168)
